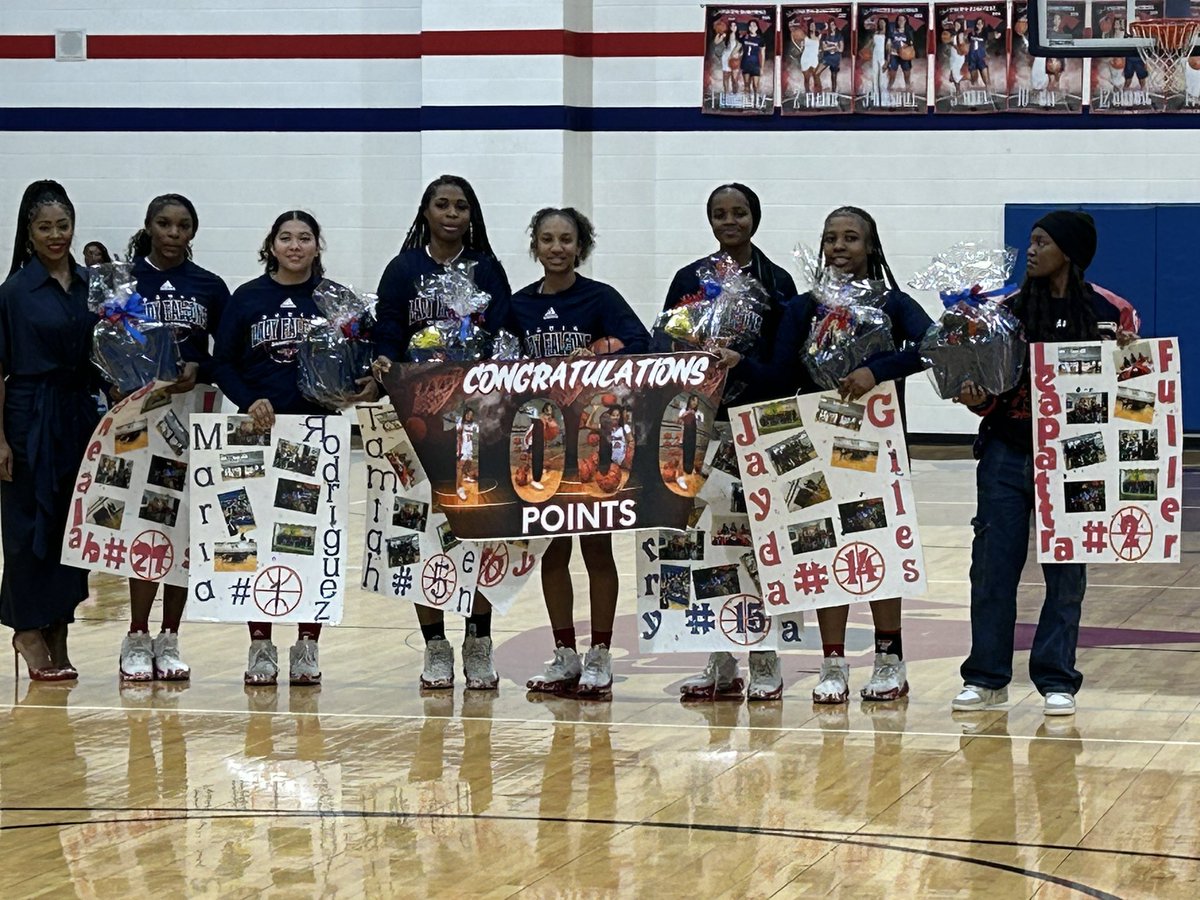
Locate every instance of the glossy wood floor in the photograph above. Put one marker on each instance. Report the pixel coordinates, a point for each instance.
(366, 788)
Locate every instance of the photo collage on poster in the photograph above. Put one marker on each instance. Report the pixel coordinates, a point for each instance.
(1109, 451)
(834, 520)
(698, 589)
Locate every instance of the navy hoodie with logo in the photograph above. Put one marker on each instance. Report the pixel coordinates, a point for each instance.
(191, 300)
(558, 324)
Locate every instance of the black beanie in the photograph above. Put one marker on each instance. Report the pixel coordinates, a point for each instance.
(1074, 232)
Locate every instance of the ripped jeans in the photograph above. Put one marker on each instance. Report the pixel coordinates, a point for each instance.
(1004, 487)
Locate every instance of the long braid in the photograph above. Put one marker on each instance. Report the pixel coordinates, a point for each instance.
(37, 195)
(476, 237)
(877, 264)
(1040, 312)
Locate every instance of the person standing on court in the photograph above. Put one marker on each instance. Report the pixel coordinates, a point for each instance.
(1054, 304)
(47, 387)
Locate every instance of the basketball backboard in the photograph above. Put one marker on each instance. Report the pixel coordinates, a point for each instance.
(1097, 28)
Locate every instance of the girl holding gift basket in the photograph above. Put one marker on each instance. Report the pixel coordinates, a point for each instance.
(181, 294)
(255, 365)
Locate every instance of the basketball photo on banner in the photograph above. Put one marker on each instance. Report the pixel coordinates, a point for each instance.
(606, 444)
(817, 69)
(892, 69)
(537, 454)
(739, 60)
(1121, 82)
(971, 59)
(683, 440)
(1046, 83)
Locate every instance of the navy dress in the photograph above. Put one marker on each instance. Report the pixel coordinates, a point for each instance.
(49, 416)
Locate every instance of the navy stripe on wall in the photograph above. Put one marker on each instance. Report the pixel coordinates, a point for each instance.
(545, 118)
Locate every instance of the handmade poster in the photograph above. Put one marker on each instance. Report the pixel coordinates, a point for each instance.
(1108, 454)
(817, 70)
(557, 446)
(1046, 83)
(129, 510)
(829, 492)
(739, 60)
(1121, 83)
(971, 59)
(698, 589)
(269, 513)
(891, 74)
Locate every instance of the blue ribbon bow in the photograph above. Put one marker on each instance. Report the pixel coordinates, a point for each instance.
(712, 290)
(975, 296)
(127, 311)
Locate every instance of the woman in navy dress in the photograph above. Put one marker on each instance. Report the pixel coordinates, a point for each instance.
(47, 387)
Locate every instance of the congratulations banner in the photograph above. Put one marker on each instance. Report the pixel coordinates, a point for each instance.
(558, 446)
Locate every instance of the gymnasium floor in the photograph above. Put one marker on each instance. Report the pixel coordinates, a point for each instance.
(366, 788)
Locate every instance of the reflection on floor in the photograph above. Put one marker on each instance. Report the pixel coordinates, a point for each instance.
(366, 787)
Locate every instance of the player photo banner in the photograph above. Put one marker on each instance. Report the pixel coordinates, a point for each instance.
(698, 589)
(540, 448)
(1121, 83)
(829, 493)
(739, 60)
(129, 511)
(1108, 460)
(817, 69)
(971, 57)
(1046, 83)
(891, 72)
(269, 509)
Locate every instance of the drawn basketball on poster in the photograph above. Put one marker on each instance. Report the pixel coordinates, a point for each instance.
(859, 568)
(685, 430)
(536, 450)
(1131, 533)
(152, 555)
(493, 565)
(439, 578)
(277, 590)
(744, 621)
(606, 444)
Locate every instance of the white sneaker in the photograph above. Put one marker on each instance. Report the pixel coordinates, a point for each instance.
(478, 667)
(561, 673)
(766, 676)
(537, 485)
(439, 665)
(596, 680)
(262, 666)
(1059, 704)
(462, 493)
(889, 678)
(304, 665)
(719, 678)
(973, 697)
(682, 482)
(137, 657)
(168, 665)
(834, 684)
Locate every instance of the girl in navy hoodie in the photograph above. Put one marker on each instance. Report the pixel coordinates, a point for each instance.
(562, 314)
(255, 357)
(189, 299)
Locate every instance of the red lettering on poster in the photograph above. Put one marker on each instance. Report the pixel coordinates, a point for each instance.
(1041, 483)
(1168, 508)
(768, 553)
(762, 499)
(911, 573)
(1172, 431)
(904, 537)
(884, 418)
(1172, 465)
(1064, 550)
(899, 497)
(1166, 355)
(1169, 542)
(1166, 390)
(745, 437)
(776, 595)
(94, 449)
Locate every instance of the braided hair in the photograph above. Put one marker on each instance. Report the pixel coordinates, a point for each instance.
(877, 264)
(1040, 312)
(38, 195)
(476, 237)
(140, 244)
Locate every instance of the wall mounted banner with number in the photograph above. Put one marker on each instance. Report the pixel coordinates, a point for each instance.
(1108, 451)
(269, 510)
(739, 60)
(829, 493)
(971, 59)
(129, 512)
(1046, 83)
(698, 589)
(557, 446)
(817, 66)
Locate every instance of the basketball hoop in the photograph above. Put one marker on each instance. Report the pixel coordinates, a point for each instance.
(1168, 42)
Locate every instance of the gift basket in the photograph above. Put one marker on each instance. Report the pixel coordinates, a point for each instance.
(977, 339)
(457, 337)
(727, 311)
(337, 352)
(851, 326)
(129, 347)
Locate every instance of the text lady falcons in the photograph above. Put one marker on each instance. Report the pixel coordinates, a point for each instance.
(282, 335)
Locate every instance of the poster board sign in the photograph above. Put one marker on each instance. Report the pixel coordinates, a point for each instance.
(548, 447)
(1046, 83)
(817, 68)
(129, 510)
(891, 74)
(1108, 454)
(829, 491)
(269, 517)
(698, 589)
(1120, 81)
(739, 61)
(971, 57)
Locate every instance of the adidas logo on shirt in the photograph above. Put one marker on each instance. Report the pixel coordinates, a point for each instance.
(550, 314)
(287, 304)
(167, 286)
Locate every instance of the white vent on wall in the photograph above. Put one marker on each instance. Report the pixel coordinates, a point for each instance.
(70, 45)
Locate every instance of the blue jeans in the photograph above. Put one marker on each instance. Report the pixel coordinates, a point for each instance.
(1004, 487)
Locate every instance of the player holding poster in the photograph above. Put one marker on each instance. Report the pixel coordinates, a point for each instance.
(1046, 83)
(892, 70)
(739, 60)
(971, 60)
(817, 75)
(1121, 84)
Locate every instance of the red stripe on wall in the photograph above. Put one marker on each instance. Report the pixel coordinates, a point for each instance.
(548, 42)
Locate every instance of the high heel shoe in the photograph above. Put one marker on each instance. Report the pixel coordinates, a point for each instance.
(56, 643)
(47, 673)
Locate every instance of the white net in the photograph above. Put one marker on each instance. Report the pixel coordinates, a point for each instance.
(1165, 52)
